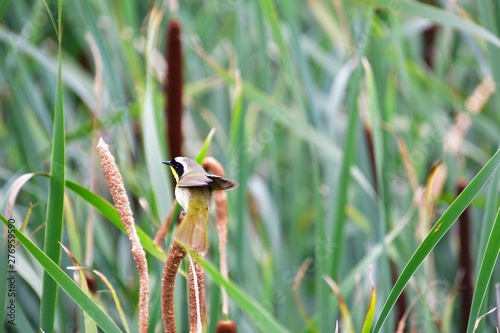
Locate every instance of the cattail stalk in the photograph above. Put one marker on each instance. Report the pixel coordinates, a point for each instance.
(296, 296)
(162, 232)
(221, 223)
(122, 204)
(196, 283)
(401, 302)
(429, 45)
(175, 256)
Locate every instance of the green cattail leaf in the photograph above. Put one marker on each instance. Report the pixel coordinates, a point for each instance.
(62, 280)
(436, 233)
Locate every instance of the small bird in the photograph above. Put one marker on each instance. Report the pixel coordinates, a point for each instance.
(194, 193)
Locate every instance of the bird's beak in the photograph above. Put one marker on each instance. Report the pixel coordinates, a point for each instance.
(167, 162)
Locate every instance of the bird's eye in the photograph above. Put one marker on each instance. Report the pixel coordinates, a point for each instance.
(178, 168)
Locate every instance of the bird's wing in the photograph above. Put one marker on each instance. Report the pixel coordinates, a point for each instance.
(190, 180)
(221, 184)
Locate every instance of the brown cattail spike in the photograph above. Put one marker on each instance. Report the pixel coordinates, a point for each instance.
(91, 283)
(429, 47)
(173, 89)
(117, 189)
(429, 40)
(465, 261)
(174, 259)
(226, 326)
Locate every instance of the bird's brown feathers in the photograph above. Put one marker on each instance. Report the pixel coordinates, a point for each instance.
(191, 179)
(215, 183)
(221, 184)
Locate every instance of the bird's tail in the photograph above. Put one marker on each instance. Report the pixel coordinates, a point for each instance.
(192, 231)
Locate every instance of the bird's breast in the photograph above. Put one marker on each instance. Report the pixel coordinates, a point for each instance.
(200, 197)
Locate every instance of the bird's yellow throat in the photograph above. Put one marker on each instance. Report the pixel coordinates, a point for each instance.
(176, 176)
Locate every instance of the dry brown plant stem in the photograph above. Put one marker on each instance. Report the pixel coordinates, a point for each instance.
(162, 232)
(122, 204)
(175, 256)
(401, 302)
(296, 296)
(474, 104)
(196, 283)
(464, 259)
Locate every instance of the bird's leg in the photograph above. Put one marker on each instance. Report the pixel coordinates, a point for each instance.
(181, 216)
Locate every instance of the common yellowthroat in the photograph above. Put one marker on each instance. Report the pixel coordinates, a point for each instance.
(194, 193)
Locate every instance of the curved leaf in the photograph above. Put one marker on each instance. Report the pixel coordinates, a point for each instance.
(109, 212)
(261, 318)
(485, 271)
(66, 283)
(434, 14)
(53, 229)
(436, 233)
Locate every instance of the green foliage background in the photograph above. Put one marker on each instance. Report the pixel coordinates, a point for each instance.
(330, 92)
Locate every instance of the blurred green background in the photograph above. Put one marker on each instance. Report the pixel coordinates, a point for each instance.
(348, 124)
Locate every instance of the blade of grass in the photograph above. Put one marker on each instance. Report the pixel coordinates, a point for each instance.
(288, 71)
(204, 149)
(486, 11)
(237, 129)
(13, 191)
(339, 220)
(323, 248)
(152, 148)
(264, 79)
(261, 318)
(118, 305)
(72, 227)
(274, 109)
(370, 313)
(348, 283)
(344, 309)
(291, 15)
(3, 8)
(486, 227)
(434, 14)
(326, 21)
(237, 154)
(377, 135)
(53, 229)
(67, 284)
(111, 53)
(485, 271)
(281, 114)
(89, 324)
(481, 317)
(436, 233)
(109, 212)
(103, 206)
(74, 77)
